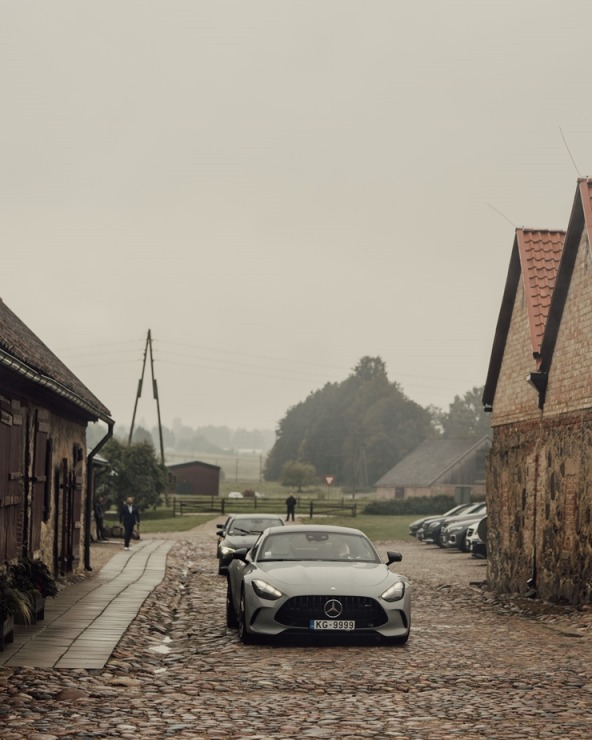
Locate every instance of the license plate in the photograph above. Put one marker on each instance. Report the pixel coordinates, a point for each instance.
(332, 624)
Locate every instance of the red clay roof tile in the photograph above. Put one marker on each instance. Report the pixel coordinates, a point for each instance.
(540, 252)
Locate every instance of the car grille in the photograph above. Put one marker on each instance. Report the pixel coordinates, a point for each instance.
(299, 610)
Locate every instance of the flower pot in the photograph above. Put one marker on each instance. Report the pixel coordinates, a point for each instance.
(7, 632)
(38, 611)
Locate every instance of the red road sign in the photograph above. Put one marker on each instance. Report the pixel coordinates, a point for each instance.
(329, 479)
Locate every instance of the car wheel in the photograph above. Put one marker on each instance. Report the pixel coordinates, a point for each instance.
(245, 637)
(231, 620)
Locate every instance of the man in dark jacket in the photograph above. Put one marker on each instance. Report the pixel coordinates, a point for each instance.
(291, 506)
(129, 516)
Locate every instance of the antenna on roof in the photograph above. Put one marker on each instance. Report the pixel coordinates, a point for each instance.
(502, 215)
(572, 159)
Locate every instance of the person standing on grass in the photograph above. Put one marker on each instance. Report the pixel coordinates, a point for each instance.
(129, 516)
(291, 506)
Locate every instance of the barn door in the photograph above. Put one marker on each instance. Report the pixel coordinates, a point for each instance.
(39, 480)
(11, 474)
(70, 486)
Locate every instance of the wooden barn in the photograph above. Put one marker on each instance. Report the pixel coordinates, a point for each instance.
(195, 478)
(45, 468)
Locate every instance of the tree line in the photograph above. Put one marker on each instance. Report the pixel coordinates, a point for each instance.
(357, 429)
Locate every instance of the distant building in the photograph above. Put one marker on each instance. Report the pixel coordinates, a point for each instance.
(196, 478)
(439, 467)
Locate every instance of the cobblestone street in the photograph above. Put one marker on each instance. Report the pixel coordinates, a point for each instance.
(474, 666)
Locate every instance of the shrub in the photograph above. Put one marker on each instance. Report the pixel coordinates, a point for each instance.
(423, 505)
(12, 601)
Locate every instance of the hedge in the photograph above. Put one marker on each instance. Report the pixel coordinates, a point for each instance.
(422, 505)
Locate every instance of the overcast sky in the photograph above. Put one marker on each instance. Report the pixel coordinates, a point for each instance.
(278, 188)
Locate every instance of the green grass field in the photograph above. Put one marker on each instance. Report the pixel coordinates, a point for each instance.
(375, 527)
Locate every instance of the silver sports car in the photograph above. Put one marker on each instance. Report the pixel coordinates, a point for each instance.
(316, 580)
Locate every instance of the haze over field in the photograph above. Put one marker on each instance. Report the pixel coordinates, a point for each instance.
(277, 188)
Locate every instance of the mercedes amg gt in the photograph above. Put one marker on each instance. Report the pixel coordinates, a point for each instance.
(316, 581)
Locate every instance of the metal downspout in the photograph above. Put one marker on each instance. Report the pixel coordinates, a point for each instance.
(89, 492)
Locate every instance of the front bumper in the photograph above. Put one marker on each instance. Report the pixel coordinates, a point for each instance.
(293, 615)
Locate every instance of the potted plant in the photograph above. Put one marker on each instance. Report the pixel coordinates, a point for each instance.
(34, 579)
(13, 603)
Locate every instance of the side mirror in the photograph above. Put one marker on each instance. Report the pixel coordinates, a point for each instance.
(240, 554)
(393, 557)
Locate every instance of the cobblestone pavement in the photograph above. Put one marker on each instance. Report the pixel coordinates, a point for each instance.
(475, 665)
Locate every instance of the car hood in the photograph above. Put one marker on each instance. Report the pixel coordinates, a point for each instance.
(313, 575)
(239, 540)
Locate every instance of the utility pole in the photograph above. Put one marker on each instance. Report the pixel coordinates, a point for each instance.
(147, 348)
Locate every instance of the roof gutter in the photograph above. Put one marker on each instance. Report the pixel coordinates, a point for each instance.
(53, 385)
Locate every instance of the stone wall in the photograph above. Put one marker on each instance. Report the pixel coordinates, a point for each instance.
(539, 508)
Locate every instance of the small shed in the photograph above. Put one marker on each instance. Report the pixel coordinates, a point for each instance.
(195, 478)
(439, 467)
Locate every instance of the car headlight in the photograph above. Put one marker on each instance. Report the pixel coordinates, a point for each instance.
(265, 591)
(432, 525)
(395, 592)
(225, 550)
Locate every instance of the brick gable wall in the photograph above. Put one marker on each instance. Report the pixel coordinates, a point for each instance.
(515, 399)
(570, 377)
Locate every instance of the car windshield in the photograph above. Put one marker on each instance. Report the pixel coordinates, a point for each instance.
(252, 526)
(324, 546)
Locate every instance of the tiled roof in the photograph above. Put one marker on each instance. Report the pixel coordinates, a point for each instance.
(17, 341)
(429, 461)
(540, 252)
(534, 261)
(580, 219)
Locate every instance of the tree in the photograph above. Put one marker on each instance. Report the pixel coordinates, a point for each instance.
(298, 474)
(355, 430)
(466, 417)
(136, 473)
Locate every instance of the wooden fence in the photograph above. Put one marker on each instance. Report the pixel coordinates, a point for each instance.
(214, 504)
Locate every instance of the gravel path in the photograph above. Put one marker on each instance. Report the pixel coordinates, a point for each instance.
(474, 665)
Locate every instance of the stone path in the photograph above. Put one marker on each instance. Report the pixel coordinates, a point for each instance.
(475, 665)
(85, 622)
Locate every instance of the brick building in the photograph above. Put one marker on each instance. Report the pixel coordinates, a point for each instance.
(45, 468)
(539, 392)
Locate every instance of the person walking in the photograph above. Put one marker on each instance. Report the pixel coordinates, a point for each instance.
(291, 506)
(129, 516)
(99, 519)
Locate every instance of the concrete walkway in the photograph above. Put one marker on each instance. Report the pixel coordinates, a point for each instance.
(86, 620)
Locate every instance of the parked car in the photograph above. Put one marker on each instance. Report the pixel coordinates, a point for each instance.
(454, 533)
(418, 523)
(316, 581)
(431, 533)
(241, 530)
(235, 494)
(476, 538)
